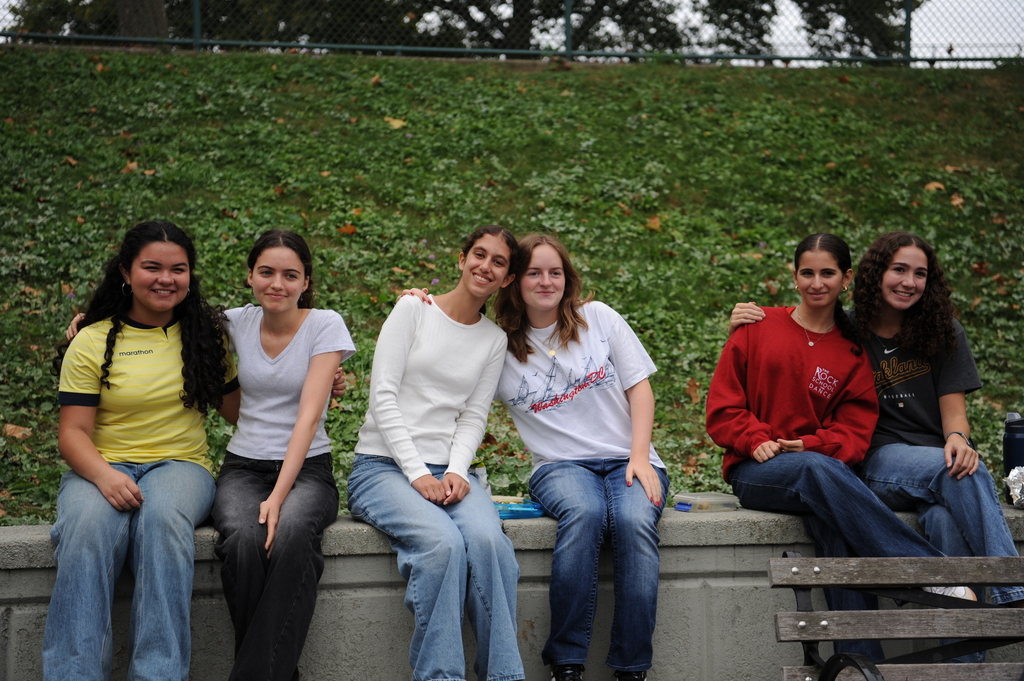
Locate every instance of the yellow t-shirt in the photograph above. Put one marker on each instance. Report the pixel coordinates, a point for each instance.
(140, 418)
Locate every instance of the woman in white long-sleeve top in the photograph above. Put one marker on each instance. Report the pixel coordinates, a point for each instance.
(435, 369)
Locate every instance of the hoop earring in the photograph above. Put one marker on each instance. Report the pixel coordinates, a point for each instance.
(845, 289)
(123, 284)
(188, 290)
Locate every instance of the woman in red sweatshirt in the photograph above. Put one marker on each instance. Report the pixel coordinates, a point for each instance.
(793, 403)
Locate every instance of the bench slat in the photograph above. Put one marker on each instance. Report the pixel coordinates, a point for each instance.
(993, 671)
(882, 572)
(899, 624)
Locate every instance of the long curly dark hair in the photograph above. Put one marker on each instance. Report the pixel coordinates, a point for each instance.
(839, 250)
(282, 238)
(203, 351)
(927, 326)
(510, 309)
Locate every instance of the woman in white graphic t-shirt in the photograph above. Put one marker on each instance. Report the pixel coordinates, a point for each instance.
(575, 381)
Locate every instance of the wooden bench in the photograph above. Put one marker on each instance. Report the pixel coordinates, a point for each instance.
(982, 626)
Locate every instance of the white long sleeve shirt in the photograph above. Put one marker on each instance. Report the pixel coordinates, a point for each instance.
(431, 389)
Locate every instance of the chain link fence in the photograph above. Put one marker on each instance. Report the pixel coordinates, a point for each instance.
(916, 32)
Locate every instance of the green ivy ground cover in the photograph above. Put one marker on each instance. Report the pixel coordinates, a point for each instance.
(679, 191)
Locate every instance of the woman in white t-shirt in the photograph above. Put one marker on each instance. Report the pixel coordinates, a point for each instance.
(435, 369)
(276, 492)
(575, 381)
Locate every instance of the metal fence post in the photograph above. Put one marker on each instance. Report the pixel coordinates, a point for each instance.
(568, 30)
(197, 25)
(908, 10)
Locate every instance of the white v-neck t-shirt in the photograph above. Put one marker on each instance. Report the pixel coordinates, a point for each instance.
(271, 388)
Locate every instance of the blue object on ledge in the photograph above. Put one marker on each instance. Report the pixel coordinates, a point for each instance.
(527, 509)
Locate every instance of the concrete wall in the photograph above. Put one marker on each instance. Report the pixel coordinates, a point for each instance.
(715, 616)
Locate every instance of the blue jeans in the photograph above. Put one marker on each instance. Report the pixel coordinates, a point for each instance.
(840, 513)
(843, 516)
(960, 517)
(271, 599)
(454, 558)
(94, 540)
(589, 499)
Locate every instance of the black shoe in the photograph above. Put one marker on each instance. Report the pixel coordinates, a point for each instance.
(566, 672)
(631, 676)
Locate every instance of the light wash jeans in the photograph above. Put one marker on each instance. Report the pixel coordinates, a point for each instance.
(590, 499)
(960, 517)
(93, 542)
(454, 558)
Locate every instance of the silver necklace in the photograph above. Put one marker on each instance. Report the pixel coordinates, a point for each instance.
(885, 348)
(803, 326)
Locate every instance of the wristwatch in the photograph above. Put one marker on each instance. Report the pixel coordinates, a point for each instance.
(970, 442)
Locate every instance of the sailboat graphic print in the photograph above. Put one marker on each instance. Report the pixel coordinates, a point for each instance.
(558, 386)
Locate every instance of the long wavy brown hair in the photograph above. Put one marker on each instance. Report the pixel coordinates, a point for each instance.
(927, 326)
(510, 309)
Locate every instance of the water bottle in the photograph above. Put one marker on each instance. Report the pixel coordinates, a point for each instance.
(1013, 445)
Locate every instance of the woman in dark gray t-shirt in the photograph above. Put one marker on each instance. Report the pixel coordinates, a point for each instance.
(922, 457)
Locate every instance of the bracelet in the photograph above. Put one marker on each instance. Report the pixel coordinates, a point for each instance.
(969, 441)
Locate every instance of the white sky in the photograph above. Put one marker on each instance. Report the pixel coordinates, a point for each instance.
(973, 27)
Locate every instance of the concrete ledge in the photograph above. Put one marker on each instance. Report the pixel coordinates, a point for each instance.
(715, 615)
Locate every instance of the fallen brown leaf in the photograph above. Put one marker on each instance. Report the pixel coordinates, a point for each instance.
(932, 186)
(693, 390)
(17, 432)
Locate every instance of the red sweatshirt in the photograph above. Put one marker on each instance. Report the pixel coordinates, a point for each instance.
(771, 384)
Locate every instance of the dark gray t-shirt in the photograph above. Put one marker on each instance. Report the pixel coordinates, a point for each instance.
(909, 388)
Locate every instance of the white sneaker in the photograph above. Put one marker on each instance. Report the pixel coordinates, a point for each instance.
(955, 591)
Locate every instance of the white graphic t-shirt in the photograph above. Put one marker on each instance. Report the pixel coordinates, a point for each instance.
(570, 403)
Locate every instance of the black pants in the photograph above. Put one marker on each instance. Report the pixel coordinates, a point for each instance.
(271, 599)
